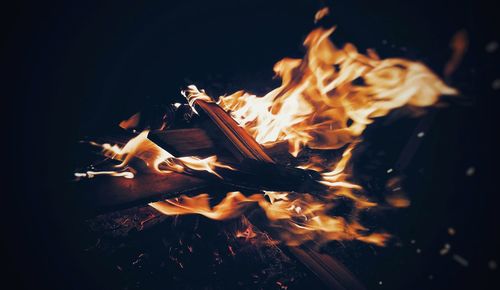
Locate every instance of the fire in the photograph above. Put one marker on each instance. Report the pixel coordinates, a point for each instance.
(299, 217)
(325, 101)
(156, 158)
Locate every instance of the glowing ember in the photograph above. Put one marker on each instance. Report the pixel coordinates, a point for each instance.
(248, 233)
(325, 101)
(321, 14)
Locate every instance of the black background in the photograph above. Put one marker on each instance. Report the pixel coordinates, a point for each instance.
(75, 68)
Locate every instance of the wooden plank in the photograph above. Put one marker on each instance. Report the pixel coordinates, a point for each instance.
(106, 193)
(331, 272)
(184, 142)
(237, 140)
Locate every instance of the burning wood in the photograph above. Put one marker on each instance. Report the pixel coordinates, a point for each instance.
(241, 144)
(319, 105)
(109, 193)
(325, 102)
(249, 174)
(184, 142)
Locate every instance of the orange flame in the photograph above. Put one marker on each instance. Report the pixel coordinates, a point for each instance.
(320, 104)
(156, 158)
(300, 217)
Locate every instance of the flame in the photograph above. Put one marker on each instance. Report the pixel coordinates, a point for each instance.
(156, 158)
(325, 101)
(300, 217)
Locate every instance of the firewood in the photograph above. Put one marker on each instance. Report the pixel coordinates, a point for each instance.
(107, 193)
(116, 192)
(196, 142)
(330, 271)
(256, 175)
(184, 142)
(236, 140)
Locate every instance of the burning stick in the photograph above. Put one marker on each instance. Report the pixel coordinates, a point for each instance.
(176, 176)
(330, 271)
(111, 193)
(256, 175)
(241, 144)
(106, 193)
(250, 173)
(184, 142)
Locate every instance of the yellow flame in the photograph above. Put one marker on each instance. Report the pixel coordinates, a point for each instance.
(320, 103)
(156, 158)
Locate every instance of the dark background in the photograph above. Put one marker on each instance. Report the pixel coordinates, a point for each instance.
(76, 68)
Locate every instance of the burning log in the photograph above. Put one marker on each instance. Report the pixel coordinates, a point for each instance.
(255, 169)
(255, 175)
(330, 271)
(196, 142)
(106, 193)
(236, 140)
